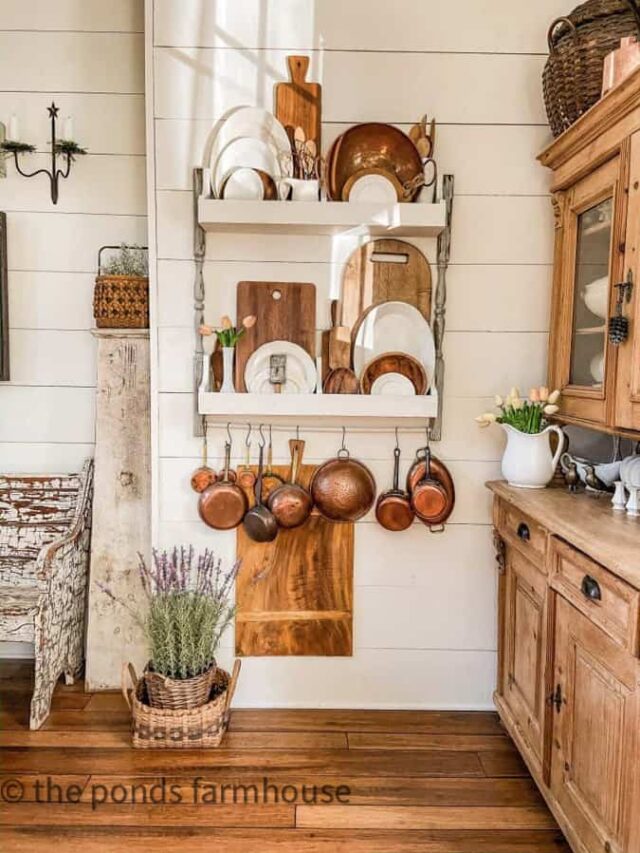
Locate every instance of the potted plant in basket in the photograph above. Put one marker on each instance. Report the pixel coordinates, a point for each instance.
(228, 336)
(527, 461)
(121, 293)
(187, 610)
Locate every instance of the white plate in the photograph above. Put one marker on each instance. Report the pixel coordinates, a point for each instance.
(394, 327)
(375, 189)
(245, 153)
(258, 124)
(393, 385)
(301, 374)
(243, 184)
(596, 297)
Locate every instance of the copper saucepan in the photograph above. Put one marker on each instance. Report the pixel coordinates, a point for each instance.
(203, 476)
(431, 487)
(259, 522)
(342, 488)
(223, 504)
(291, 504)
(393, 507)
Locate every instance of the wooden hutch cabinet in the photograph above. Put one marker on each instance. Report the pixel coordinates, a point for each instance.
(596, 196)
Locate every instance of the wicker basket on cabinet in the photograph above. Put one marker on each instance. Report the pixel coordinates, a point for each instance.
(578, 44)
(120, 301)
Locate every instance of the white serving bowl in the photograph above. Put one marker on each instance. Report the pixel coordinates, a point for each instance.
(596, 297)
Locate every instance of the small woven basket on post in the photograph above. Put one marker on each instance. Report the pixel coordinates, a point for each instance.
(120, 301)
(578, 44)
(179, 693)
(196, 728)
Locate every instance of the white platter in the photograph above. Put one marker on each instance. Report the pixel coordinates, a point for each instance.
(394, 327)
(301, 372)
(243, 184)
(245, 153)
(373, 189)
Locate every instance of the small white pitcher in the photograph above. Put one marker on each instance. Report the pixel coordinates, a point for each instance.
(527, 462)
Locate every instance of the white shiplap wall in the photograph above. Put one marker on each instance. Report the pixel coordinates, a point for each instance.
(88, 56)
(424, 604)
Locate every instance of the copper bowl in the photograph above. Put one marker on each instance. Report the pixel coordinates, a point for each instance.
(372, 146)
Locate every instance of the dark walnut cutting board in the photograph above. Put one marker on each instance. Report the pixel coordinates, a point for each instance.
(298, 103)
(294, 596)
(384, 271)
(286, 311)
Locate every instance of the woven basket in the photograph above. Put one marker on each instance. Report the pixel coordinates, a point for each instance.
(121, 302)
(179, 693)
(198, 728)
(578, 44)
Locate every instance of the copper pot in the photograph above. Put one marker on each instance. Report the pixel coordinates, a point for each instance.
(222, 505)
(393, 507)
(291, 504)
(430, 485)
(343, 489)
(204, 476)
(259, 522)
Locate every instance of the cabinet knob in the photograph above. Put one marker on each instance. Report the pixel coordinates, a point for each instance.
(591, 588)
(523, 532)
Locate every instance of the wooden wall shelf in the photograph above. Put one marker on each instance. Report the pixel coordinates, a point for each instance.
(355, 410)
(304, 217)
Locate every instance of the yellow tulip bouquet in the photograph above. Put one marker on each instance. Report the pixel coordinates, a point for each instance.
(526, 415)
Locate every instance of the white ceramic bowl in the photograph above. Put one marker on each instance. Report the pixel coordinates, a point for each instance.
(596, 368)
(596, 297)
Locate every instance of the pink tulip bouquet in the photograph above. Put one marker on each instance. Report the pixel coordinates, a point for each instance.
(525, 415)
(228, 335)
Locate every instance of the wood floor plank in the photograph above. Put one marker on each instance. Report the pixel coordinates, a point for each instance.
(422, 817)
(96, 840)
(86, 720)
(395, 740)
(333, 762)
(75, 700)
(362, 790)
(149, 814)
(498, 764)
(427, 722)
(46, 738)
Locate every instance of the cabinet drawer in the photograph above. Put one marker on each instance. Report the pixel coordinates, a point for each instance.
(608, 601)
(523, 532)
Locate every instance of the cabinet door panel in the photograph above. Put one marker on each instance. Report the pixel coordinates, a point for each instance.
(596, 745)
(525, 648)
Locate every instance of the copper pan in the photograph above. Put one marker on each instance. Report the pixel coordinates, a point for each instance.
(291, 504)
(342, 488)
(259, 523)
(430, 485)
(393, 507)
(204, 476)
(223, 505)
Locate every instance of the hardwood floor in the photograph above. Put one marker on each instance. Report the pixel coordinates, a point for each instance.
(399, 782)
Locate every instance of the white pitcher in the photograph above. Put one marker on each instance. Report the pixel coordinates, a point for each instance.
(527, 462)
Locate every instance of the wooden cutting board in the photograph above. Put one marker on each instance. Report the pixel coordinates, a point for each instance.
(384, 271)
(299, 103)
(294, 596)
(285, 311)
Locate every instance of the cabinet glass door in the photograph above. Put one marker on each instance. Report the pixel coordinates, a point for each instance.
(591, 295)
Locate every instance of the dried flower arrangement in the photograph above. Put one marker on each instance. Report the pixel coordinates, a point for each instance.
(187, 609)
(525, 415)
(227, 334)
(131, 261)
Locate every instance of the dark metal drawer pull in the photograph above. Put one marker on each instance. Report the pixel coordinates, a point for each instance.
(523, 532)
(591, 588)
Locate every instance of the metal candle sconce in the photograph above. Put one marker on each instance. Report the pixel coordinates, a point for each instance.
(59, 148)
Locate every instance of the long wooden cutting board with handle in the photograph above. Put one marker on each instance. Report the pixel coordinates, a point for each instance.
(384, 271)
(294, 596)
(298, 103)
(286, 311)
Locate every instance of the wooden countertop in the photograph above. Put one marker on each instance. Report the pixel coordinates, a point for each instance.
(585, 520)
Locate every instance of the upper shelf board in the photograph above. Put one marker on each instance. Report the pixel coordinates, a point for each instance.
(408, 219)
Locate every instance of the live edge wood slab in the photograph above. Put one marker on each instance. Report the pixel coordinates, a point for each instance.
(585, 519)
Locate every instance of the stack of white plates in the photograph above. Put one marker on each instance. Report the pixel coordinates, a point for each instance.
(300, 371)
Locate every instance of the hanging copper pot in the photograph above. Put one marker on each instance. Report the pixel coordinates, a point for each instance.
(291, 504)
(204, 476)
(259, 522)
(430, 485)
(393, 507)
(342, 488)
(223, 505)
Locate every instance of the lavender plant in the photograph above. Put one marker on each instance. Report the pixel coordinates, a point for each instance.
(188, 609)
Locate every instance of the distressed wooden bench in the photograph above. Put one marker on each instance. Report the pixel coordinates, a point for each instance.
(45, 530)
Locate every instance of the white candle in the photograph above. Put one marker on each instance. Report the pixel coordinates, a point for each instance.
(14, 129)
(67, 128)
